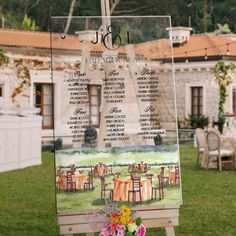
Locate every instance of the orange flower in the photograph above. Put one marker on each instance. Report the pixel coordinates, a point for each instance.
(114, 218)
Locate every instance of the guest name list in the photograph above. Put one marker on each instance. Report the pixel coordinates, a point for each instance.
(115, 94)
(78, 100)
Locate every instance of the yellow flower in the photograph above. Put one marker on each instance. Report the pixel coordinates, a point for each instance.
(125, 211)
(124, 220)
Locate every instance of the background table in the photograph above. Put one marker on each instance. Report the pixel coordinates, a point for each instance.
(78, 179)
(228, 142)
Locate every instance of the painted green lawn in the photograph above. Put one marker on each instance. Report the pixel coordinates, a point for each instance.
(27, 200)
(82, 159)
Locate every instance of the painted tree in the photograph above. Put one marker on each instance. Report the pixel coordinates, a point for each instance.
(223, 77)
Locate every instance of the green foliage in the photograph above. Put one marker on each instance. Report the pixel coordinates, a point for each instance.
(221, 122)
(222, 29)
(222, 72)
(138, 221)
(197, 121)
(204, 14)
(129, 234)
(28, 24)
(3, 58)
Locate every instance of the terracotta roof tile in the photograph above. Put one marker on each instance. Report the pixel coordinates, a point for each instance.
(205, 44)
(154, 49)
(16, 38)
(197, 46)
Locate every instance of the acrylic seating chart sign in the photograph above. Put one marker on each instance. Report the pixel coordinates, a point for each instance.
(115, 123)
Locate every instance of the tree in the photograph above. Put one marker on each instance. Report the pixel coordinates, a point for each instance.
(222, 29)
(3, 58)
(28, 24)
(205, 14)
(72, 6)
(223, 77)
(27, 5)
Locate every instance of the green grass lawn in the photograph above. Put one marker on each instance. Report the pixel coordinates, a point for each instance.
(27, 200)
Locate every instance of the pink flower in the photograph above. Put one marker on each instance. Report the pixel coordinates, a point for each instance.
(104, 232)
(141, 231)
(112, 233)
(120, 233)
(121, 227)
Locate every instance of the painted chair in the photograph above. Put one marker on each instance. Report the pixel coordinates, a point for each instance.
(70, 184)
(105, 189)
(159, 187)
(136, 189)
(88, 184)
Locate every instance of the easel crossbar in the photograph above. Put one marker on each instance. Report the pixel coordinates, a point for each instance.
(168, 218)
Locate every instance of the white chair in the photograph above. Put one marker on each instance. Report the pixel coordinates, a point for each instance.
(201, 143)
(214, 150)
(215, 130)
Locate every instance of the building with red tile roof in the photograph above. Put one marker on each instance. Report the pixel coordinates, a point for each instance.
(197, 48)
(195, 58)
(43, 40)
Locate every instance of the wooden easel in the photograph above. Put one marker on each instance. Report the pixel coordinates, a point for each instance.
(166, 217)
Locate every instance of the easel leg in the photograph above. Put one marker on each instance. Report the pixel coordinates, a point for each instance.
(170, 231)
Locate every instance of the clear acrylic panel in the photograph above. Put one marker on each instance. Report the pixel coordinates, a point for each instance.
(124, 66)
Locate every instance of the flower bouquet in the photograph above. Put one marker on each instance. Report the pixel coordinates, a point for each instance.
(120, 221)
(138, 167)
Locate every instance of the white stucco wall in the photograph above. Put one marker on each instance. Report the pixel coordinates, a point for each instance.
(187, 75)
